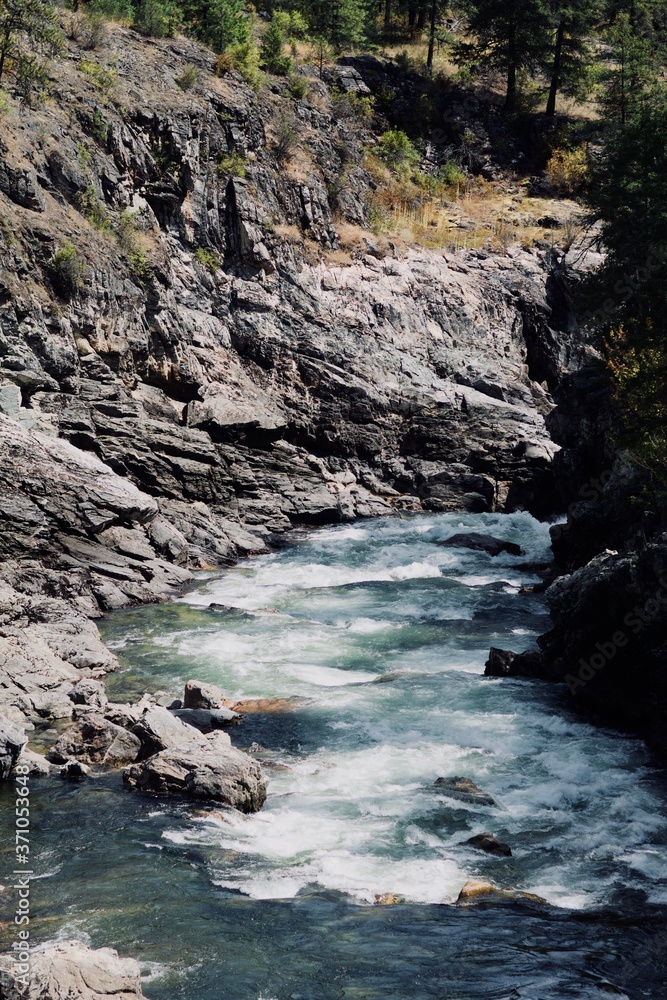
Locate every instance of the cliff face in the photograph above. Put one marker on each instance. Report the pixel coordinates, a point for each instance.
(214, 359)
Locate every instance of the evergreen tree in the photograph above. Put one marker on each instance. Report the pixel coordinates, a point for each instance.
(271, 55)
(570, 59)
(343, 23)
(510, 35)
(26, 26)
(633, 63)
(219, 23)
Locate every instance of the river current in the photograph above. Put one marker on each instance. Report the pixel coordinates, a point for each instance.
(376, 637)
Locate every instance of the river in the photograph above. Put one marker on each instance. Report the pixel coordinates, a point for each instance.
(376, 636)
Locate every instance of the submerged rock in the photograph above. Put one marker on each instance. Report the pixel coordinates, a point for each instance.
(206, 719)
(464, 789)
(478, 890)
(12, 741)
(207, 768)
(71, 970)
(489, 842)
(95, 740)
(388, 899)
(483, 543)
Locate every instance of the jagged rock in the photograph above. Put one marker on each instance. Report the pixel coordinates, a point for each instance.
(200, 694)
(464, 789)
(489, 843)
(12, 741)
(21, 186)
(479, 891)
(71, 970)
(159, 729)
(505, 663)
(207, 768)
(483, 543)
(124, 714)
(95, 740)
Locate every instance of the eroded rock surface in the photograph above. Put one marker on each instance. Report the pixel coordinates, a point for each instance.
(71, 970)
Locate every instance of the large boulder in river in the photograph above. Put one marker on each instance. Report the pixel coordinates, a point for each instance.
(159, 729)
(481, 891)
(70, 970)
(489, 843)
(205, 719)
(464, 789)
(95, 740)
(12, 741)
(199, 694)
(204, 768)
(483, 543)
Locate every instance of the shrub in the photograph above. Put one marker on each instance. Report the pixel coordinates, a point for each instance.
(286, 139)
(116, 10)
(271, 54)
(232, 165)
(157, 18)
(298, 86)
(246, 60)
(223, 64)
(4, 103)
(356, 106)
(103, 77)
(92, 29)
(99, 127)
(67, 270)
(92, 207)
(568, 170)
(210, 259)
(188, 78)
(126, 235)
(397, 151)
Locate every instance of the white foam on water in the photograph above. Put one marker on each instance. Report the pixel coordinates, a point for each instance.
(358, 812)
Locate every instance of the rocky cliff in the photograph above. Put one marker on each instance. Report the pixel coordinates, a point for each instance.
(192, 361)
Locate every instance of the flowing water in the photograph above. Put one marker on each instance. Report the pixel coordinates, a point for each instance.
(374, 636)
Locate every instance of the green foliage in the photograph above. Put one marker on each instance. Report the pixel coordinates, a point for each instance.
(157, 18)
(126, 236)
(99, 127)
(397, 151)
(342, 23)
(208, 258)
(67, 270)
(568, 170)
(222, 24)
(27, 27)
(246, 60)
(5, 106)
(298, 86)
(232, 165)
(188, 78)
(116, 10)
(286, 139)
(102, 76)
(271, 56)
(358, 107)
(632, 67)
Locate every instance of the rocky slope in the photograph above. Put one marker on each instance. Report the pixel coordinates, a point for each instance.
(214, 359)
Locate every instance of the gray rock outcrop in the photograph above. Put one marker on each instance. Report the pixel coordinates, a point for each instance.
(71, 970)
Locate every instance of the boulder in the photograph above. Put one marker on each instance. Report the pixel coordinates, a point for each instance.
(199, 694)
(483, 543)
(71, 970)
(38, 766)
(505, 663)
(12, 741)
(74, 769)
(204, 719)
(478, 890)
(464, 789)
(204, 768)
(388, 899)
(159, 729)
(489, 843)
(95, 740)
(89, 692)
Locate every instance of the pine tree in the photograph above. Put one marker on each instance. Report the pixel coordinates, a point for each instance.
(271, 55)
(510, 35)
(343, 23)
(26, 26)
(219, 23)
(571, 56)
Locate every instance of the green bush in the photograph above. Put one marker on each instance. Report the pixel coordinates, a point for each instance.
(188, 78)
(271, 55)
(286, 139)
(67, 270)
(210, 259)
(231, 165)
(102, 76)
(354, 106)
(92, 207)
(157, 18)
(397, 151)
(246, 60)
(298, 86)
(126, 236)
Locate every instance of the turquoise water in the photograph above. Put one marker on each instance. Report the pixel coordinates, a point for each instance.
(377, 636)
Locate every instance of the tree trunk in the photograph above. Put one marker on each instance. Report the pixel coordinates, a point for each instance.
(555, 76)
(421, 17)
(412, 15)
(510, 96)
(387, 16)
(431, 37)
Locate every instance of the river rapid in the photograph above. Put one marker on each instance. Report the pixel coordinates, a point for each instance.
(377, 636)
